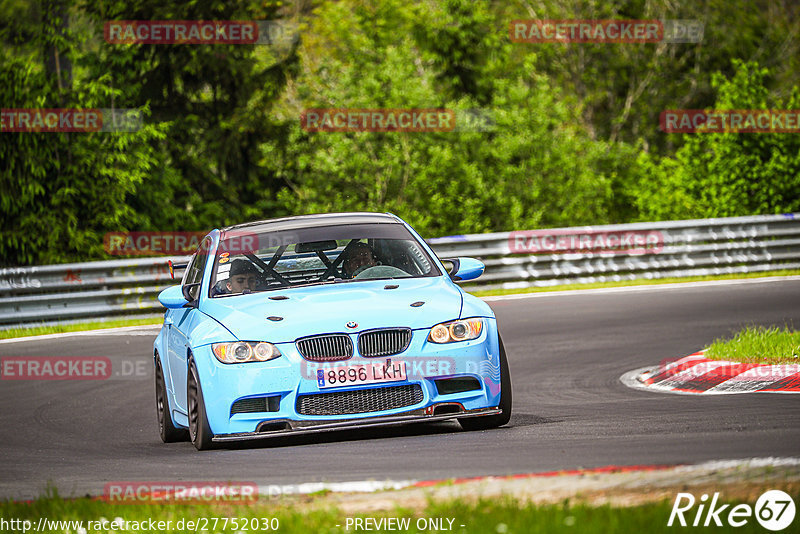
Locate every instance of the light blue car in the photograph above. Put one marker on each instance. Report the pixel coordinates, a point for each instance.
(324, 322)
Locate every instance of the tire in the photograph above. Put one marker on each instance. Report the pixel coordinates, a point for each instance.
(199, 429)
(493, 421)
(169, 432)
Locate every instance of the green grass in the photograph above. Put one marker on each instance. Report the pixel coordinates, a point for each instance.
(758, 344)
(76, 327)
(624, 283)
(488, 516)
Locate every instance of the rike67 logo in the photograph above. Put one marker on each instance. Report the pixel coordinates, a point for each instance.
(774, 510)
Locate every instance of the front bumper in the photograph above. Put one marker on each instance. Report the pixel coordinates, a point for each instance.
(291, 376)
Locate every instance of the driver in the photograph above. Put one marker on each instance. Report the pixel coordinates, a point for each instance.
(243, 277)
(359, 258)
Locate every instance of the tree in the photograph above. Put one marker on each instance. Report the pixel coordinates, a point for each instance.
(533, 167)
(728, 174)
(61, 190)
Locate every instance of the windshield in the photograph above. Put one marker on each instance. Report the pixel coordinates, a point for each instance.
(333, 254)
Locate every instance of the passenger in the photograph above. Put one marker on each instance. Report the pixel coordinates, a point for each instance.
(243, 277)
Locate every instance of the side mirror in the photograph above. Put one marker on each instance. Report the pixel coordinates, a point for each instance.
(462, 269)
(190, 292)
(173, 297)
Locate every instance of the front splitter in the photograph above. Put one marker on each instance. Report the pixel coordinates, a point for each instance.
(312, 427)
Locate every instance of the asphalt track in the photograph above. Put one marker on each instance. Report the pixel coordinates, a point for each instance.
(566, 354)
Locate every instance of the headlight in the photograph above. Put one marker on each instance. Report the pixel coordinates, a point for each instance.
(460, 330)
(245, 351)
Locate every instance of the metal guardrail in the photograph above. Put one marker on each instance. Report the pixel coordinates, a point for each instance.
(104, 289)
(686, 248)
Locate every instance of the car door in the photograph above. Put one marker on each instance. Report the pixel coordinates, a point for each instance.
(178, 337)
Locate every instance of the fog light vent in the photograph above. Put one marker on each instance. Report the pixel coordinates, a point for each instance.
(256, 404)
(457, 384)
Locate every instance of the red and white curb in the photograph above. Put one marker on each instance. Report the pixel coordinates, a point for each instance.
(696, 374)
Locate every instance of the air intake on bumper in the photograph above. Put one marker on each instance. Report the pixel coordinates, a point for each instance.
(360, 400)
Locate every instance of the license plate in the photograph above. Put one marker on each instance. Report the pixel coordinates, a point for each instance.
(371, 373)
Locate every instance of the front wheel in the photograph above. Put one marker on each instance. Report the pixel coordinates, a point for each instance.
(169, 432)
(199, 429)
(493, 421)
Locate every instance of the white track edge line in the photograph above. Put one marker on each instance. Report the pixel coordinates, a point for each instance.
(97, 332)
(644, 287)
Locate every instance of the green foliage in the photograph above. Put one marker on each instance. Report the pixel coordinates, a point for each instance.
(727, 174)
(215, 101)
(191, 167)
(623, 87)
(62, 190)
(533, 167)
(573, 135)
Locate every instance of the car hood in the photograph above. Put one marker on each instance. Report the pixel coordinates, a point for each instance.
(328, 308)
